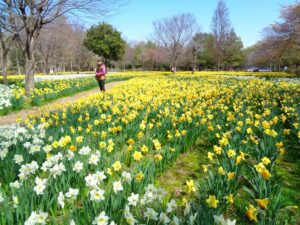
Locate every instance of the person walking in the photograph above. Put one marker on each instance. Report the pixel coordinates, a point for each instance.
(100, 73)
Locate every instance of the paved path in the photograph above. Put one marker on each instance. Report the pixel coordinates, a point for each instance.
(12, 117)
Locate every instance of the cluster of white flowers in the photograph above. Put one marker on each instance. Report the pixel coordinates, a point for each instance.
(32, 139)
(85, 150)
(57, 169)
(61, 77)
(10, 135)
(94, 180)
(51, 161)
(37, 218)
(293, 80)
(152, 193)
(54, 165)
(152, 196)
(5, 95)
(28, 169)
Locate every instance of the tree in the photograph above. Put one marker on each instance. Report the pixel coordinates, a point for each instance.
(233, 54)
(6, 43)
(281, 43)
(285, 36)
(27, 18)
(174, 34)
(52, 38)
(197, 45)
(106, 41)
(221, 28)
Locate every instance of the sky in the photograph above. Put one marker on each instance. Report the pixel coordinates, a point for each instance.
(248, 17)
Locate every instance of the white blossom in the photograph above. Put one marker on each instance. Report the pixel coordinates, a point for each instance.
(126, 176)
(163, 218)
(97, 195)
(72, 193)
(61, 200)
(18, 159)
(171, 205)
(101, 219)
(85, 150)
(78, 166)
(151, 214)
(117, 186)
(133, 199)
(40, 185)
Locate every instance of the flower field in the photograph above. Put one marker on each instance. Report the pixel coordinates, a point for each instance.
(47, 89)
(96, 161)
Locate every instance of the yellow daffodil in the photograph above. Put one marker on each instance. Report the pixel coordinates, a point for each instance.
(212, 201)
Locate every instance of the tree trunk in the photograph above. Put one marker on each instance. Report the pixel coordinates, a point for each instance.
(194, 64)
(29, 73)
(4, 67)
(47, 70)
(17, 62)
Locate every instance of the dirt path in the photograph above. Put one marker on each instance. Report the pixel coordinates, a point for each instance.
(12, 117)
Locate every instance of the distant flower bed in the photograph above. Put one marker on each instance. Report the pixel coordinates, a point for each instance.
(46, 89)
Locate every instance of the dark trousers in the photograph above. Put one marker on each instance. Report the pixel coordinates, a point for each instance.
(101, 84)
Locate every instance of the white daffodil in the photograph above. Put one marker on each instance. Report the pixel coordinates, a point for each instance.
(100, 176)
(171, 205)
(61, 200)
(151, 214)
(101, 219)
(85, 150)
(219, 220)
(97, 195)
(163, 218)
(93, 160)
(117, 186)
(78, 166)
(18, 159)
(126, 176)
(40, 185)
(133, 199)
(15, 201)
(1, 198)
(91, 180)
(72, 193)
(15, 184)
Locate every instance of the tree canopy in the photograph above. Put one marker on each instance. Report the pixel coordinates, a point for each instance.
(106, 41)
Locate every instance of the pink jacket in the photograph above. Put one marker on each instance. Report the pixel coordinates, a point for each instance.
(101, 72)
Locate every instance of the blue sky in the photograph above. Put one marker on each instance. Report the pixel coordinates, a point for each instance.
(248, 17)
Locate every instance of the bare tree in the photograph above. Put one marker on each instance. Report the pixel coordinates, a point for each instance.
(221, 27)
(52, 38)
(6, 42)
(27, 18)
(174, 33)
